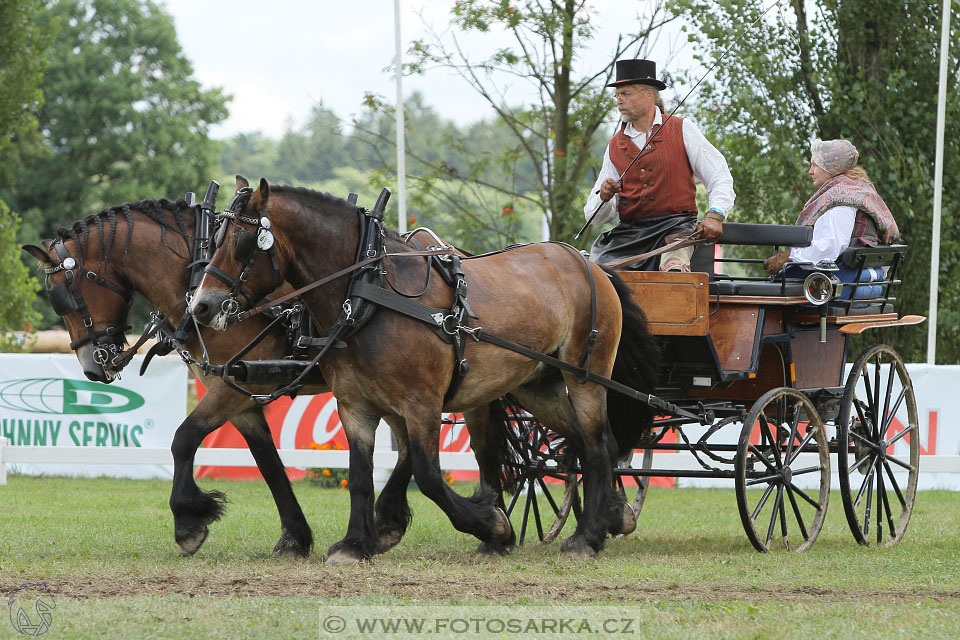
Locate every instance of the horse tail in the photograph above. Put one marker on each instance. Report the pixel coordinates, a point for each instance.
(636, 366)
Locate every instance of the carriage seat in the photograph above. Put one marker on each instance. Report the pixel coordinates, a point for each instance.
(789, 288)
(766, 235)
(758, 235)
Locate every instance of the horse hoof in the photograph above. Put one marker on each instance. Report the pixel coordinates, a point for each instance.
(628, 521)
(576, 548)
(501, 530)
(388, 540)
(342, 559)
(490, 549)
(287, 547)
(189, 544)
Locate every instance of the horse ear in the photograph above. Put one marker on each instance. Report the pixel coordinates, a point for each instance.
(42, 257)
(241, 183)
(261, 195)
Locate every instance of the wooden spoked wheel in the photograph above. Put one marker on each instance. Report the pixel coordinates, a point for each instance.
(782, 472)
(878, 456)
(537, 455)
(635, 487)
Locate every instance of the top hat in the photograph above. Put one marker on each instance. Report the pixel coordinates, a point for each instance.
(637, 72)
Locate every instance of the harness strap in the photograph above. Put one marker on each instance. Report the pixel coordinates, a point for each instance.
(227, 280)
(440, 320)
(243, 315)
(428, 315)
(650, 399)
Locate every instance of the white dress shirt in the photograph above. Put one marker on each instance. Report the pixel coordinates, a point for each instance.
(708, 164)
(831, 236)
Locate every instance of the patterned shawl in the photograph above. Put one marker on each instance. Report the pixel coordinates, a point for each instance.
(842, 190)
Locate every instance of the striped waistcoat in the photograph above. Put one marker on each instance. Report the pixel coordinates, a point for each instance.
(661, 181)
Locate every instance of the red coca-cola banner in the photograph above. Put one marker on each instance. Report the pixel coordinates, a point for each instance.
(308, 422)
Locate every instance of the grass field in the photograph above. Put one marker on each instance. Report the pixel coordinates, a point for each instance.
(105, 548)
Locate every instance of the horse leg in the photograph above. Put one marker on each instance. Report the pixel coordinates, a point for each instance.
(392, 511)
(489, 446)
(590, 434)
(192, 508)
(296, 538)
(604, 509)
(479, 514)
(360, 541)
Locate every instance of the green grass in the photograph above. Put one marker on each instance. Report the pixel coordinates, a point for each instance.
(106, 549)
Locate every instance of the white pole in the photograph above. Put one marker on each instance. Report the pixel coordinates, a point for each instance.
(3, 464)
(401, 150)
(938, 188)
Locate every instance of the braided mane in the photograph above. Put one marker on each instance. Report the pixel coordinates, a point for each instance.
(155, 209)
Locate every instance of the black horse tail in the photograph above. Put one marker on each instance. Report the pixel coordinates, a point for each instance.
(636, 366)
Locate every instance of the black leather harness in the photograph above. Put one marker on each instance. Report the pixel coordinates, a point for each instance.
(66, 298)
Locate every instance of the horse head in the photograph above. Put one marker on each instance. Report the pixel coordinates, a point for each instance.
(93, 304)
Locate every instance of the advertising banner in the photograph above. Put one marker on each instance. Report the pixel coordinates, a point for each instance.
(45, 400)
(311, 422)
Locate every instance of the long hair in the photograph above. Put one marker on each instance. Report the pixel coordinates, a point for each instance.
(857, 173)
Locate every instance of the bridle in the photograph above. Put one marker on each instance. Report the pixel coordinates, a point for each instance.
(249, 245)
(66, 298)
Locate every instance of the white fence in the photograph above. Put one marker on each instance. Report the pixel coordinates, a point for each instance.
(304, 458)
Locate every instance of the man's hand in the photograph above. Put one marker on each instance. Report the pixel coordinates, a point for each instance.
(608, 188)
(711, 228)
(774, 263)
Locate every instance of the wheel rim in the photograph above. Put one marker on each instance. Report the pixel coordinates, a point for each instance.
(538, 453)
(782, 472)
(878, 455)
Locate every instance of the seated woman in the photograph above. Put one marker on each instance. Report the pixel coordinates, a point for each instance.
(846, 210)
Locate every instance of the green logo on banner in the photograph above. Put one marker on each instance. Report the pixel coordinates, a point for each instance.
(66, 396)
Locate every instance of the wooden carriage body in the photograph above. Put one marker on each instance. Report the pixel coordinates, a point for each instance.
(759, 356)
(736, 337)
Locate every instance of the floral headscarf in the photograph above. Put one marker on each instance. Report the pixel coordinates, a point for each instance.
(833, 156)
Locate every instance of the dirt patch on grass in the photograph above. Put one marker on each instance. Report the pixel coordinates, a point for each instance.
(329, 584)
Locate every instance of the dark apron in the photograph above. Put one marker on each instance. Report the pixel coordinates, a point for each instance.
(640, 235)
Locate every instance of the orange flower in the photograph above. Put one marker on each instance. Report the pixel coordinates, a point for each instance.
(557, 152)
(326, 472)
(343, 483)
(413, 220)
(507, 210)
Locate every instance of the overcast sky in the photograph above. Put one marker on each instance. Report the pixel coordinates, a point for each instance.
(277, 59)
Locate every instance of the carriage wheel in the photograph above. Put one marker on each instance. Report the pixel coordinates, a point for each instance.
(782, 459)
(537, 454)
(877, 502)
(628, 484)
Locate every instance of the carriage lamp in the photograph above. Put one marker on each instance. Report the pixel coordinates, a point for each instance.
(819, 288)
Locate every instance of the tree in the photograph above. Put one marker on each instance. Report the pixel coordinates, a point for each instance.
(22, 42)
(866, 70)
(465, 192)
(555, 134)
(312, 153)
(123, 119)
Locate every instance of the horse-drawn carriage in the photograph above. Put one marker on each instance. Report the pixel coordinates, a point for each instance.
(765, 360)
(762, 359)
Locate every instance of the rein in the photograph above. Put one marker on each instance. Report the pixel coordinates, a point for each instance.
(243, 315)
(448, 324)
(680, 243)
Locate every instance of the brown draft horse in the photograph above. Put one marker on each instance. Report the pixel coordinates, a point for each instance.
(144, 247)
(396, 368)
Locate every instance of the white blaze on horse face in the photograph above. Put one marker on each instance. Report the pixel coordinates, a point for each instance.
(202, 296)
